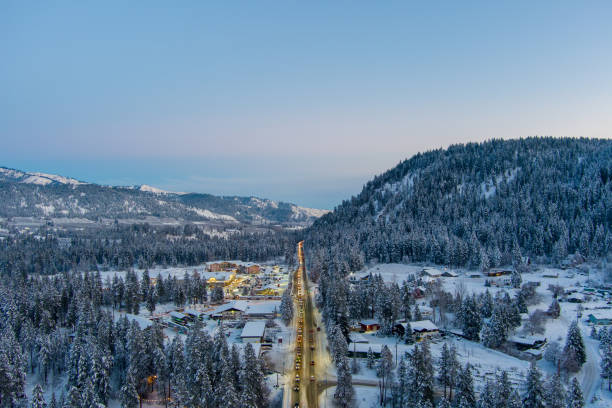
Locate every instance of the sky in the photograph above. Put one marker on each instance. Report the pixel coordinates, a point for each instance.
(294, 101)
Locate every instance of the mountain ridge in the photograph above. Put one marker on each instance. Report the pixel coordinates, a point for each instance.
(47, 195)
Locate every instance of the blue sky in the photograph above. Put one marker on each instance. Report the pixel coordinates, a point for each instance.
(295, 101)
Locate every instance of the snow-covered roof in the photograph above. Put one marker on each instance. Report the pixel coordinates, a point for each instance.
(357, 338)
(368, 322)
(423, 325)
(364, 347)
(262, 307)
(177, 315)
(254, 329)
(192, 312)
(601, 314)
(527, 340)
(235, 304)
(432, 271)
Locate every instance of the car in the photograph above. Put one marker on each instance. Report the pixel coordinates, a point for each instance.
(311, 362)
(296, 388)
(312, 378)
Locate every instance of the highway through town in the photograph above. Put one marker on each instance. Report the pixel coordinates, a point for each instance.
(305, 363)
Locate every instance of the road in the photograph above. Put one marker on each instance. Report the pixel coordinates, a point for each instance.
(305, 365)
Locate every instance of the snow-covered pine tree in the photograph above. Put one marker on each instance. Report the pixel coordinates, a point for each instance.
(575, 397)
(606, 364)
(408, 334)
(554, 392)
(344, 389)
(128, 395)
(471, 319)
(516, 280)
(465, 387)
(574, 353)
(534, 390)
(370, 362)
(286, 307)
(487, 397)
(38, 399)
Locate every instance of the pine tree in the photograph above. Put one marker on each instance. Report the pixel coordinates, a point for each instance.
(534, 394)
(471, 319)
(128, 395)
(229, 397)
(370, 362)
(465, 387)
(516, 280)
(344, 389)
(286, 307)
(503, 391)
(606, 364)
(408, 334)
(38, 399)
(554, 392)
(575, 397)
(574, 353)
(487, 398)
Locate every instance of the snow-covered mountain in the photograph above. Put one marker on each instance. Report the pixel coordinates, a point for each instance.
(41, 179)
(47, 195)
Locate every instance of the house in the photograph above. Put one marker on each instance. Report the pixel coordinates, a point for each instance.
(192, 315)
(253, 331)
(232, 310)
(450, 274)
(360, 350)
(424, 328)
(431, 272)
(369, 325)
(222, 266)
(252, 269)
(420, 329)
(178, 318)
(499, 272)
(527, 342)
(419, 292)
(600, 318)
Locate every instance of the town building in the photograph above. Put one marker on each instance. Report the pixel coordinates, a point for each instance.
(253, 331)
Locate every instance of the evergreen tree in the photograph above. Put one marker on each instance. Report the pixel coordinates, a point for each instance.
(38, 399)
(471, 320)
(575, 397)
(574, 353)
(344, 389)
(370, 360)
(128, 395)
(606, 364)
(465, 387)
(534, 394)
(554, 392)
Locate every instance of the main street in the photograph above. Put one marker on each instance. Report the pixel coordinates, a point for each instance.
(304, 379)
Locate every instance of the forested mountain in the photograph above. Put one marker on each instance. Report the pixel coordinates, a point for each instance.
(477, 205)
(45, 195)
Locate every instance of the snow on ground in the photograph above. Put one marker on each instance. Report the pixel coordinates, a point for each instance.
(389, 272)
(365, 397)
(487, 361)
